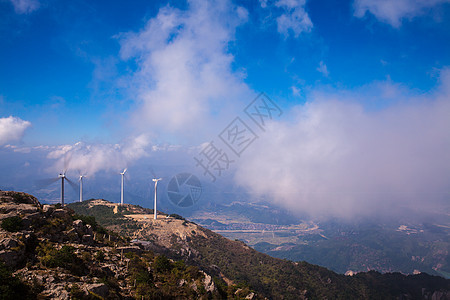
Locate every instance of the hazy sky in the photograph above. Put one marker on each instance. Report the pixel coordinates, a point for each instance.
(363, 87)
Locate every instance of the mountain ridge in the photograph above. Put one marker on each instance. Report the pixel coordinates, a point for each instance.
(166, 258)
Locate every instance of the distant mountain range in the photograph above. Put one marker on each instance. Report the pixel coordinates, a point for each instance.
(409, 244)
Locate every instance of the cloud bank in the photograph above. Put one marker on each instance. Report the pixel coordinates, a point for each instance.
(184, 79)
(393, 12)
(335, 157)
(92, 158)
(12, 129)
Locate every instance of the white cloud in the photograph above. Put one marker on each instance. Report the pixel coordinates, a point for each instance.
(294, 18)
(393, 12)
(92, 158)
(184, 79)
(25, 6)
(335, 157)
(12, 129)
(322, 68)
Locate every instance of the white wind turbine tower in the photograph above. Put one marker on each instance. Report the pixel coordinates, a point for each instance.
(81, 187)
(121, 190)
(62, 176)
(156, 183)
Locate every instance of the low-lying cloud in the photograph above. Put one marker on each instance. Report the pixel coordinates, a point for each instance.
(334, 156)
(92, 158)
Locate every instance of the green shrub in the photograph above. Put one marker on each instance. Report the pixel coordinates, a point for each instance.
(91, 221)
(64, 258)
(12, 224)
(11, 287)
(100, 256)
(162, 264)
(143, 276)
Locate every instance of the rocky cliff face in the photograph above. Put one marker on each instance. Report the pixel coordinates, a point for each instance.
(60, 255)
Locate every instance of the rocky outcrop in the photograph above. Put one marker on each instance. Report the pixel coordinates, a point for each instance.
(18, 204)
(208, 283)
(60, 257)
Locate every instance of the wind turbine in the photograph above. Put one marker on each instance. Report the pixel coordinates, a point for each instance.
(64, 177)
(46, 182)
(81, 187)
(156, 184)
(121, 190)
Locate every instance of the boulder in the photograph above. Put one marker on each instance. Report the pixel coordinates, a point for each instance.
(78, 224)
(99, 289)
(87, 239)
(59, 213)
(8, 243)
(89, 230)
(208, 283)
(48, 209)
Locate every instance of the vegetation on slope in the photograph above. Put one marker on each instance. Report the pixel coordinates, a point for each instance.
(58, 254)
(240, 266)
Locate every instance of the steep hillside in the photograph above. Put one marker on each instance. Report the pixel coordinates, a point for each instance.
(49, 252)
(234, 263)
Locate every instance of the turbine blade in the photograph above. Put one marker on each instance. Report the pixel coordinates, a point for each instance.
(153, 172)
(67, 159)
(127, 180)
(42, 183)
(72, 184)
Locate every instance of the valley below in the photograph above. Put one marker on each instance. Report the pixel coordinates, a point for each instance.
(342, 246)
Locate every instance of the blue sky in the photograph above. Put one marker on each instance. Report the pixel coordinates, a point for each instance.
(113, 74)
(63, 59)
